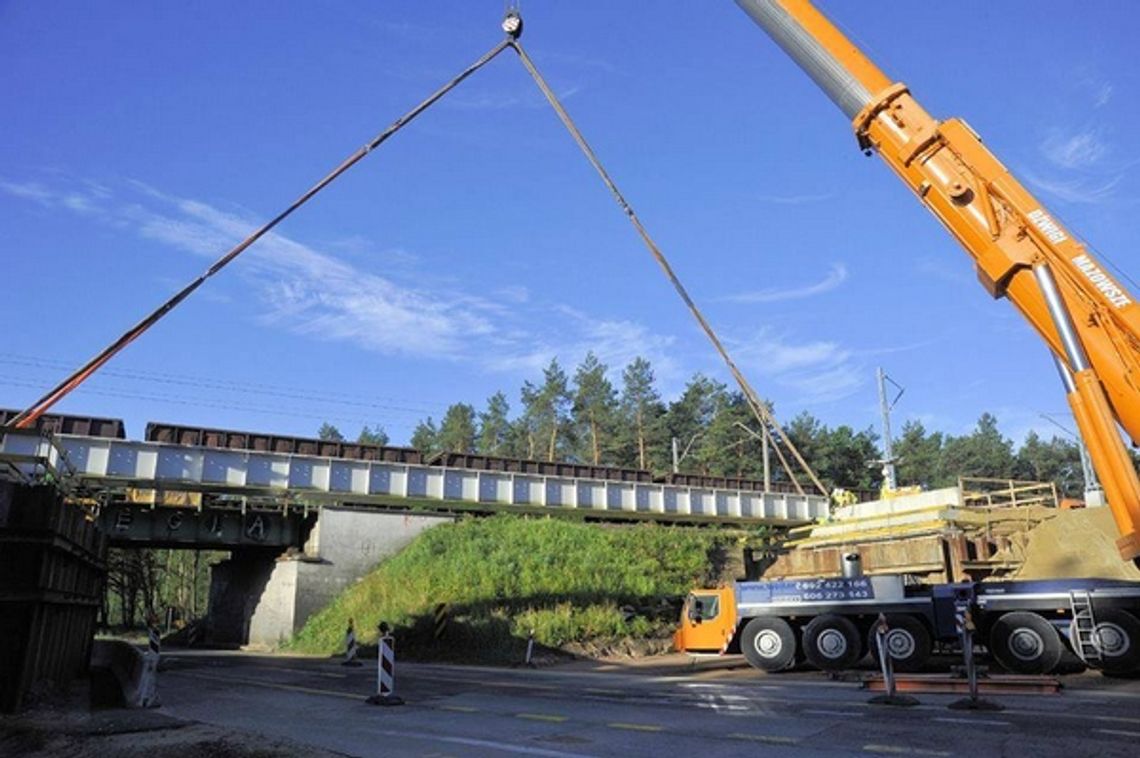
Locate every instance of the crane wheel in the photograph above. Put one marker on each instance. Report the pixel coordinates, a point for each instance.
(1117, 638)
(832, 642)
(769, 644)
(1025, 643)
(908, 642)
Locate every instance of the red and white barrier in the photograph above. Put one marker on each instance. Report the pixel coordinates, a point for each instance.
(385, 670)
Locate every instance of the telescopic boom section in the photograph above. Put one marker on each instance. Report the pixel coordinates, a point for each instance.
(1021, 252)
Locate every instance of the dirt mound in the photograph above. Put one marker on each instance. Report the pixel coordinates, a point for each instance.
(1076, 543)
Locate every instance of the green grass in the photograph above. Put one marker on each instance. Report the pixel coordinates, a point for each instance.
(506, 575)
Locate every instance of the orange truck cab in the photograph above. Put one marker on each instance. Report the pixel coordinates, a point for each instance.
(708, 622)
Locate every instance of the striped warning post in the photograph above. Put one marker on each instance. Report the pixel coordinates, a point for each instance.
(964, 625)
(530, 648)
(385, 670)
(154, 641)
(147, 693)
(440, 620)
(886, 662)
(350, 646)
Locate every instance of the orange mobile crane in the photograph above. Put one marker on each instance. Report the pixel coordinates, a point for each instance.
(1090, 322)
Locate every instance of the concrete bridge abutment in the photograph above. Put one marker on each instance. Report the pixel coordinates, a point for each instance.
(259, 598)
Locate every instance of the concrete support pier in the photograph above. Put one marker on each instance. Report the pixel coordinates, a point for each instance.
(260, 599)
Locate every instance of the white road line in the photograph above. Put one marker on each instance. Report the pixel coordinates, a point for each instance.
(824, 712)
(472, 742)
(949, 720)
(262, 683)
(1118, 732)
(900, 750)
(1081, 716)
(1111, 694)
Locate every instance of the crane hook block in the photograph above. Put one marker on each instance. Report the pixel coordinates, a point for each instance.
(513, 24)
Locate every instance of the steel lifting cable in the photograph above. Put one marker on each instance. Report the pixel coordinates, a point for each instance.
(763, 415)
(28, 417)
(512, 25)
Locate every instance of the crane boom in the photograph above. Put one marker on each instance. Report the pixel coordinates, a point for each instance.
(1021, 252)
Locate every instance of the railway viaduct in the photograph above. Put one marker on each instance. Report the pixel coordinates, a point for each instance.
(302, 518)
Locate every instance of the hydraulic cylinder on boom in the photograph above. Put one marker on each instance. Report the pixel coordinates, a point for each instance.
(1021, 251)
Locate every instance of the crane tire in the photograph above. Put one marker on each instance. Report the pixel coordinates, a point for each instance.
(1025, 643)
(769, 643)
(1117, 638)
(831, 642)
(908, 642)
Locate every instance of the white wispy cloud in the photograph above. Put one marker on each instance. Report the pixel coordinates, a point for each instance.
(491, 100)
(1080, 189)
(944, 270)
(1077, 150)
(615, 342)
(811, 372)
(311, 292)
(793, 199)
(835, 276)
(1102, 94)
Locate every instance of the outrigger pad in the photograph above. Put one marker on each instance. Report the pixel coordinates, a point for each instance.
(975, 704)
(901, 701)
(385, 700)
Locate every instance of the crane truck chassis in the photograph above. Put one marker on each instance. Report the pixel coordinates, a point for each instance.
(1026, 625)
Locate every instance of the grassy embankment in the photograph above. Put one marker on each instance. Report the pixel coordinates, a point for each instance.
(506, 575)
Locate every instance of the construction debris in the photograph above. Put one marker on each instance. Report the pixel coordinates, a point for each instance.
(1075, 543)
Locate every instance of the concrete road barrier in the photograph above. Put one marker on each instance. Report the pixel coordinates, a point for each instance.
(133, 672)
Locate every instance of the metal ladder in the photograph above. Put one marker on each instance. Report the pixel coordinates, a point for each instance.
(1083, 630)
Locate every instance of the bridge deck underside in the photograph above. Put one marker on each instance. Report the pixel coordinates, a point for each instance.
(103, 463)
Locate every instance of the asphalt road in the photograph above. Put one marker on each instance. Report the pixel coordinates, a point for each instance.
(634, 711)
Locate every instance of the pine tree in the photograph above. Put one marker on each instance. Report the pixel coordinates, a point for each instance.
(727, 449)
(919, 457)
(372, 436)
(1057, 460)
(425, 437)
(546, 413)
(689, 419)
(329, 433)
(457, 430)
(641, 410)
(594, 409)
(495, 427)
(985, 453)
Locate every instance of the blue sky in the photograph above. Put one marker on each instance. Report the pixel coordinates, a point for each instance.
(140, 140)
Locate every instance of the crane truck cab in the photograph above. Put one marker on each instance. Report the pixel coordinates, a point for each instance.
(829, 622)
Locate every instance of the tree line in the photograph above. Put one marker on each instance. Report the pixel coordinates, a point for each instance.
(587, 418)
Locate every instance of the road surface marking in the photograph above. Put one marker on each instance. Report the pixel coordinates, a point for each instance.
(824, 712)
(460, 708)
(1118, 719)
(274, 685)
(771, 739)
(1083, 717)
(541, 717)
(1118, 732)
(900, 750)
(949, 720)
(1113, 694)
(635, 727)
(493, 683)
(470, 741)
